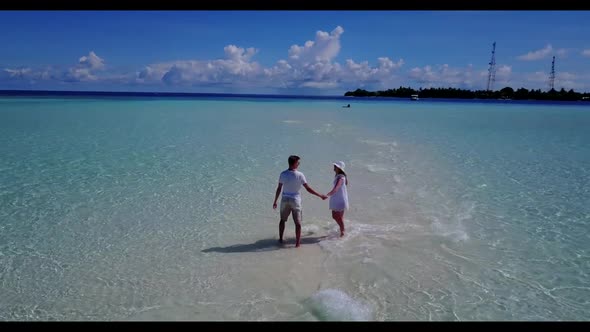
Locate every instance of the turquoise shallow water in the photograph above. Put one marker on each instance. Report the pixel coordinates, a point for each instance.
(160, 209)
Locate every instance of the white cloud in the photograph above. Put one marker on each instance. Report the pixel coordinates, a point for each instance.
(25, 74)
(239, 54)
(540, 76)
(319, 85)
(85, 70)
(566, 80)
(503, 74)
(153, 72)
(79, 75)
(445, 76)
(313, 62)
(311, 65)
(235, 66)
(364, 72)
(537, 76)
(543, 53)
(17, 73)
(91, 61)
(459, 77)
(469, 78)
(324, 49)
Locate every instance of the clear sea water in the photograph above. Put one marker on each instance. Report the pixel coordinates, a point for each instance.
(161, 209)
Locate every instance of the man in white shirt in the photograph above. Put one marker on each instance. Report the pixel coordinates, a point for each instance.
(290, 181)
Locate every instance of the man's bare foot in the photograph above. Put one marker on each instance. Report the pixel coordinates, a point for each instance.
(297, 245)
(341, 234)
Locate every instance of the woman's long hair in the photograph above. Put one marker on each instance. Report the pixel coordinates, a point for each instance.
(340, 171)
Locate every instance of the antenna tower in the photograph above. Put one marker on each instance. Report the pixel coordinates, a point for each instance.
(552, 75)
(492, 69)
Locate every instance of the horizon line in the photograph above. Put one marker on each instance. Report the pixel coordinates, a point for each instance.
(8, 91)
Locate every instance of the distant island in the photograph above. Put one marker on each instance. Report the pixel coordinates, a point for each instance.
(506, 93)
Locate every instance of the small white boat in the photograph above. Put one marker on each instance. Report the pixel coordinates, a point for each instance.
(414, 97)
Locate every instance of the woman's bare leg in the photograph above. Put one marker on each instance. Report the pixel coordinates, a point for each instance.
(339, 218)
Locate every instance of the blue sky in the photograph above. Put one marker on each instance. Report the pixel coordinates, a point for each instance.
(290, 52)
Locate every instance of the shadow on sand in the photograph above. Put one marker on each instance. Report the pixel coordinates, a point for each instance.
(264, 245)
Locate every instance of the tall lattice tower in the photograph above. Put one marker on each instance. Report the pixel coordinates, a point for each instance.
(492, 69)
(552, 75)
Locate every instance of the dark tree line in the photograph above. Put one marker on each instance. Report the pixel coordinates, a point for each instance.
(505, 93)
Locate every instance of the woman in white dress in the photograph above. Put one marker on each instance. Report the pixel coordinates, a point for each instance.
(339, 195)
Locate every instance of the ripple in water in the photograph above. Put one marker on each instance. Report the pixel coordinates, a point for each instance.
(335, 305)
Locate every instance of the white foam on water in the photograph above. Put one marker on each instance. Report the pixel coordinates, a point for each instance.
(292, 121)
(336, 305)
(376, 168)
(367, 260)
(453, 227)
(456, 235)
(378, 143)
(326, 128)
(310, 229)
(336, 245)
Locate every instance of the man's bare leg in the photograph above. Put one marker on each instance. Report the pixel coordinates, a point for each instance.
(281, 230)
(297, 234)
(297, 216)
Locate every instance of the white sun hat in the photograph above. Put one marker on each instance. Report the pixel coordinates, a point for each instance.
(339, 164)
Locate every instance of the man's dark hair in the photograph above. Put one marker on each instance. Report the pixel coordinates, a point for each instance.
(293, 159)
